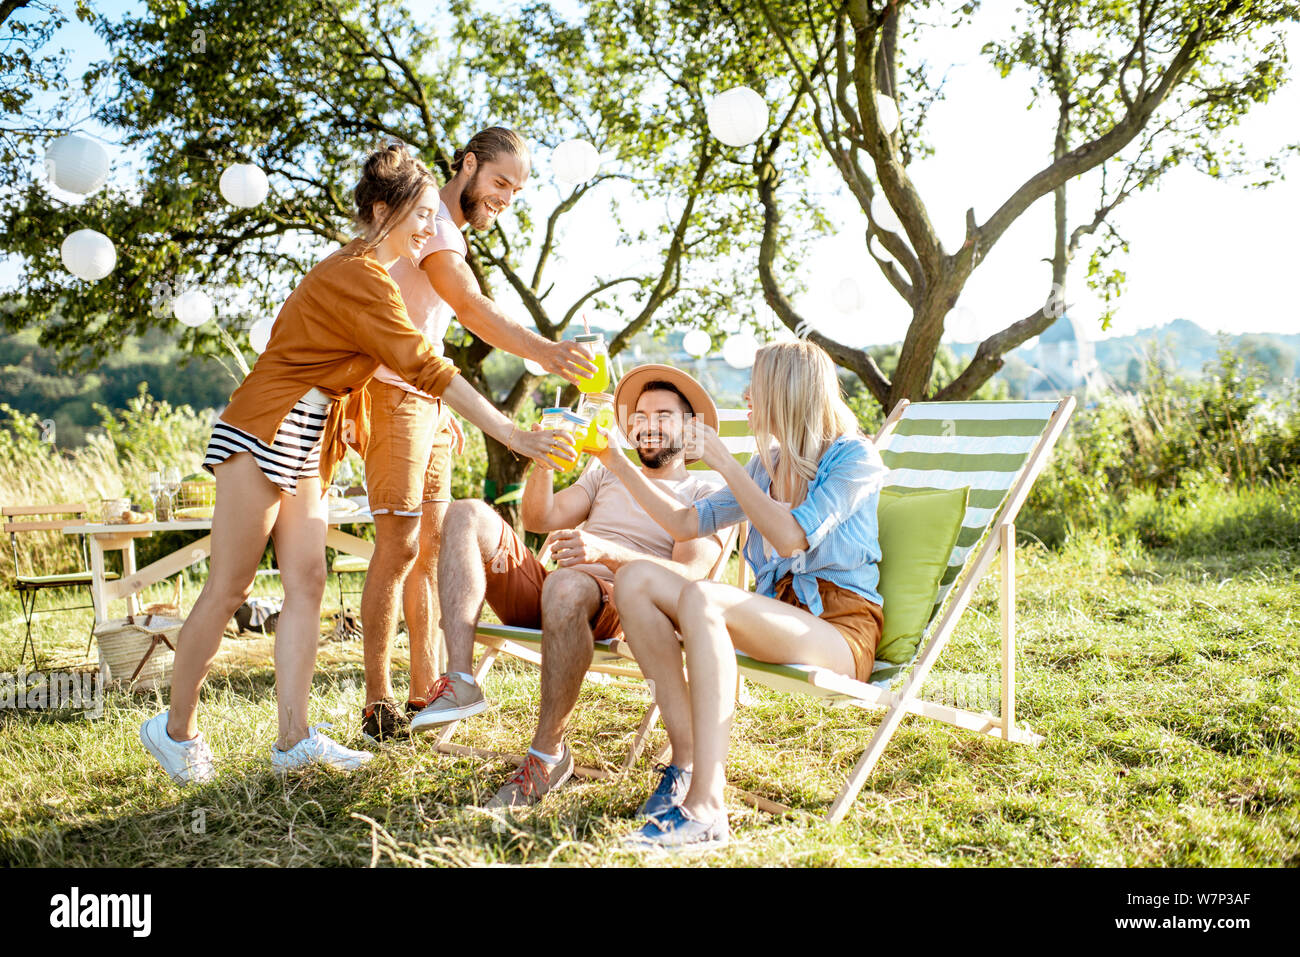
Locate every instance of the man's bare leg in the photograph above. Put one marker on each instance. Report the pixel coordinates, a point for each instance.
(570, 599)
(471, 532)
(396, 548)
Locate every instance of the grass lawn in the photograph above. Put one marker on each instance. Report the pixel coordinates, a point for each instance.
(1165, 688)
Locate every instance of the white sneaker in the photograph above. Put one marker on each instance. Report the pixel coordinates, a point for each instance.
(317, 748)
(184, 761)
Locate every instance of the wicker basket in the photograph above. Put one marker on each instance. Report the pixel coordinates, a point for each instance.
(123, 643)
(196, 494)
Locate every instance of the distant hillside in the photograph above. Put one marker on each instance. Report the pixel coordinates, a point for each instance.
(1190, 348)
(1181, 345)
(31, 381)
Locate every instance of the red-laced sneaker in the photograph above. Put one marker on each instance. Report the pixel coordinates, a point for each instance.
(452, 698)
(532, 782)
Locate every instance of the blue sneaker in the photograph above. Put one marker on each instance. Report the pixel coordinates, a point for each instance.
(671, 791)
(676, 830)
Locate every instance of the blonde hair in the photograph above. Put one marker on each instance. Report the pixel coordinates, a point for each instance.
(797, 403)
(397, 179)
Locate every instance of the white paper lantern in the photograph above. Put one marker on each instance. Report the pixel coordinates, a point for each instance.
(884, 214)
(259, 334)
(574, 162)
(697, 343)
(738, 350)
(533, 367)
(847, 296)
(77, 164)
(961, 325)
(887, 110)
(88, 254)
(193, 308)
(244, 185)
(738, 116)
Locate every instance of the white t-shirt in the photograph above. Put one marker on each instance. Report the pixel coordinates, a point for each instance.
(428, 312)
(617, 517)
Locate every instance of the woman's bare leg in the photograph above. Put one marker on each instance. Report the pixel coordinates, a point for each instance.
(715, 621)
(299, 535)
(246, 507)
(420, 600)
(646, 596)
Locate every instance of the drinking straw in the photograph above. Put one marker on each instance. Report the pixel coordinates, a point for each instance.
(586, 326)
(557, 397)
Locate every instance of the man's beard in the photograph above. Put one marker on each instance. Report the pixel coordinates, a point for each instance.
(659, 457)
(472, 206)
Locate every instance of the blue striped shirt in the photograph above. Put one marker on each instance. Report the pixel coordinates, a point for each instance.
(838, 517)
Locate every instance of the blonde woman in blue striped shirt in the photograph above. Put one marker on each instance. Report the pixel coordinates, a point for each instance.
(810, 496)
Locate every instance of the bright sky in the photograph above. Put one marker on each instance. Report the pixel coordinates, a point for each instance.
(1211, 251)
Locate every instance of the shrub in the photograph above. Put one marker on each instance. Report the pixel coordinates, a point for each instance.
(1132, 457)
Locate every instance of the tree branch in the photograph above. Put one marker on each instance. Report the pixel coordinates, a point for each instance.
(1097, 150)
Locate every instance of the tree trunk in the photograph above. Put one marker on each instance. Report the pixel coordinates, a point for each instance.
(911, 379)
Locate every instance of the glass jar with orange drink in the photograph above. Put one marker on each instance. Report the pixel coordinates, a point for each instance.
(564, 421)
(598, 408)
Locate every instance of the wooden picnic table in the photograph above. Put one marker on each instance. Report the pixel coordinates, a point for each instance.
(121, 538)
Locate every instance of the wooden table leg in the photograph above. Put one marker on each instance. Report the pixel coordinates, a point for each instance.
(97, 596)
(128, 569)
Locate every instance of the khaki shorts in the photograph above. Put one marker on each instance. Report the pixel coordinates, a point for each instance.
(408, 460)
(859, 621)
(514, 589)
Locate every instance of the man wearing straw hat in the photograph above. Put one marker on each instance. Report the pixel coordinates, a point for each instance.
(595, 528)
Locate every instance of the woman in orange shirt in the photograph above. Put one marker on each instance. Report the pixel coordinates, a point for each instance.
(274, 449)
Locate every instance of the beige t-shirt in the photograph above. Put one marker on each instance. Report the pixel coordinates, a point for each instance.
(616, 517)
(429, 312)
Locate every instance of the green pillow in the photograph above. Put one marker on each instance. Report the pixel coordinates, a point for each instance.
(917, 532)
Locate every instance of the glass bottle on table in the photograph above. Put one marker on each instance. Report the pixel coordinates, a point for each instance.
(161, 511)
(598, 381)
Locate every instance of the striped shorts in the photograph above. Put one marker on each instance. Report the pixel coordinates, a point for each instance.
(294, 454)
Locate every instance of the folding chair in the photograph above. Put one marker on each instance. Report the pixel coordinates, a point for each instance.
(997, 449)
(345, 564)
(30, 586)
(612, 656)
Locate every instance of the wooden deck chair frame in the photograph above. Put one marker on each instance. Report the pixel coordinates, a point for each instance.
(612, 656)
(998, 541)
(29, 587)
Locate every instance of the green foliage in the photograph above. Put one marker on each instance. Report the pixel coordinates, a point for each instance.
(33, 381)
(153, 435)
(28, 67)
(1130, 458)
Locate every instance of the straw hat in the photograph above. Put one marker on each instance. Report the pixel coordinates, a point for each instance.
(634, 382)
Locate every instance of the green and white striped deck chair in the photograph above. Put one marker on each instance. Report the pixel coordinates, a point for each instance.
(997, 449)
(612, 656)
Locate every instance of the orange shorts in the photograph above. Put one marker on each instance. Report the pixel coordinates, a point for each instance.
(408, 460)
(858, 620)
(514, 588)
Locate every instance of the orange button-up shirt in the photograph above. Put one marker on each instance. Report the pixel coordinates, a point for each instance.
(336, 327)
